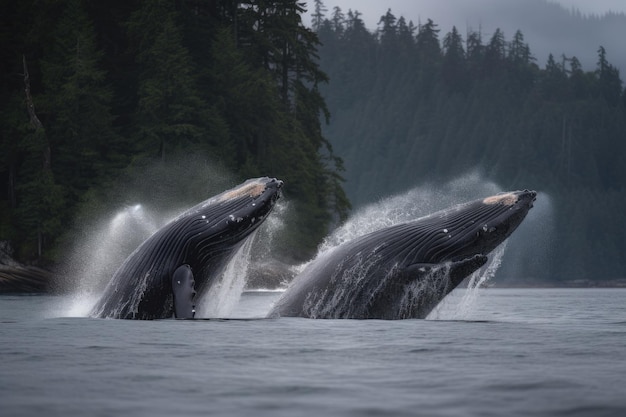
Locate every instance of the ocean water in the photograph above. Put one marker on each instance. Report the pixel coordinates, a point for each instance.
(505, 352)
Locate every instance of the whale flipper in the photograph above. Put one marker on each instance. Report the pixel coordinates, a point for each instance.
(183, 288)
(459, 270)
(456, 270)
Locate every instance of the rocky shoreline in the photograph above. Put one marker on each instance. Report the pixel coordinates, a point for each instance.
(18, 278)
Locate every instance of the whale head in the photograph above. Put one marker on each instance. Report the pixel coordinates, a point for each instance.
(474, 228)
(226, 219)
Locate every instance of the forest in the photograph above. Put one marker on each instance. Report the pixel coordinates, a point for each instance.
(96, 93)
(412, 105)
(98, 98)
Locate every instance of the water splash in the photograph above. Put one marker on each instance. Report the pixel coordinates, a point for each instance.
(411, 205)
(461, 302)
(102, 250)
(111, 224)
(222, 297)
(106, 246)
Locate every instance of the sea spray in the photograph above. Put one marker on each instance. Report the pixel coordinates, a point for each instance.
(412, 205)
(417, 202)
(113, 222)
(461, 302)
(220, 299)
(102, 251)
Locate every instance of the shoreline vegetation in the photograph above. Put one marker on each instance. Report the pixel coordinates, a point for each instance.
(95, 97)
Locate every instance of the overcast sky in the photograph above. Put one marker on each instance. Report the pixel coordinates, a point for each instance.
(445, 12)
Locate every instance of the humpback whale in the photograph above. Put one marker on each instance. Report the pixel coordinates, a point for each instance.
(404, 271)
(160, 278)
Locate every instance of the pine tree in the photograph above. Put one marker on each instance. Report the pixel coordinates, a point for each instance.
(454, 69)
(41, 199)
(610, 85)
(170, 114)
(86, 150)
(318, 15)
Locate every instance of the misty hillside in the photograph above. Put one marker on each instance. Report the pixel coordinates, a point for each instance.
(411, 105)
(547, 26)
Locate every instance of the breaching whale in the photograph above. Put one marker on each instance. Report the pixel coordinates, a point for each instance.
(405, 270)
(161, 276)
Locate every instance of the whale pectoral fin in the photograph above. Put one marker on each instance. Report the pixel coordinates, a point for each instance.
(183, 288)
(416, 272)
(459, 270)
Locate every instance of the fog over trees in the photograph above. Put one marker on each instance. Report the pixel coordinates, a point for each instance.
(412, 104)
(550, 26)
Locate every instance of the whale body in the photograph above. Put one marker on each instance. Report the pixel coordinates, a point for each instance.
(161, 277)
(405, 270)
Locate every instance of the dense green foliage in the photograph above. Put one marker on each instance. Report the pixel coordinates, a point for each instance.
(411, 105)
(120, 85)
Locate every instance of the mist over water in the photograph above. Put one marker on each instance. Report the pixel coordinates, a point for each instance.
(101, 250)
(417, 202)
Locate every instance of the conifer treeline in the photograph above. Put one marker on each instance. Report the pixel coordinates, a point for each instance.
(411, 104)
(121, 84)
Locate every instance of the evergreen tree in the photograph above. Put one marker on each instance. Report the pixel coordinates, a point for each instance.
(475, 54)
(428, 43)
(85, 148)
(387, 29)
(338, 20)
(429, 54)
(41, 198)
(170, 115)
(318, 15)
(610, 85)
(495, 53)
(453, 70)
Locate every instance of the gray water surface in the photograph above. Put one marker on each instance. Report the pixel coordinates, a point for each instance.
(516, 352)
